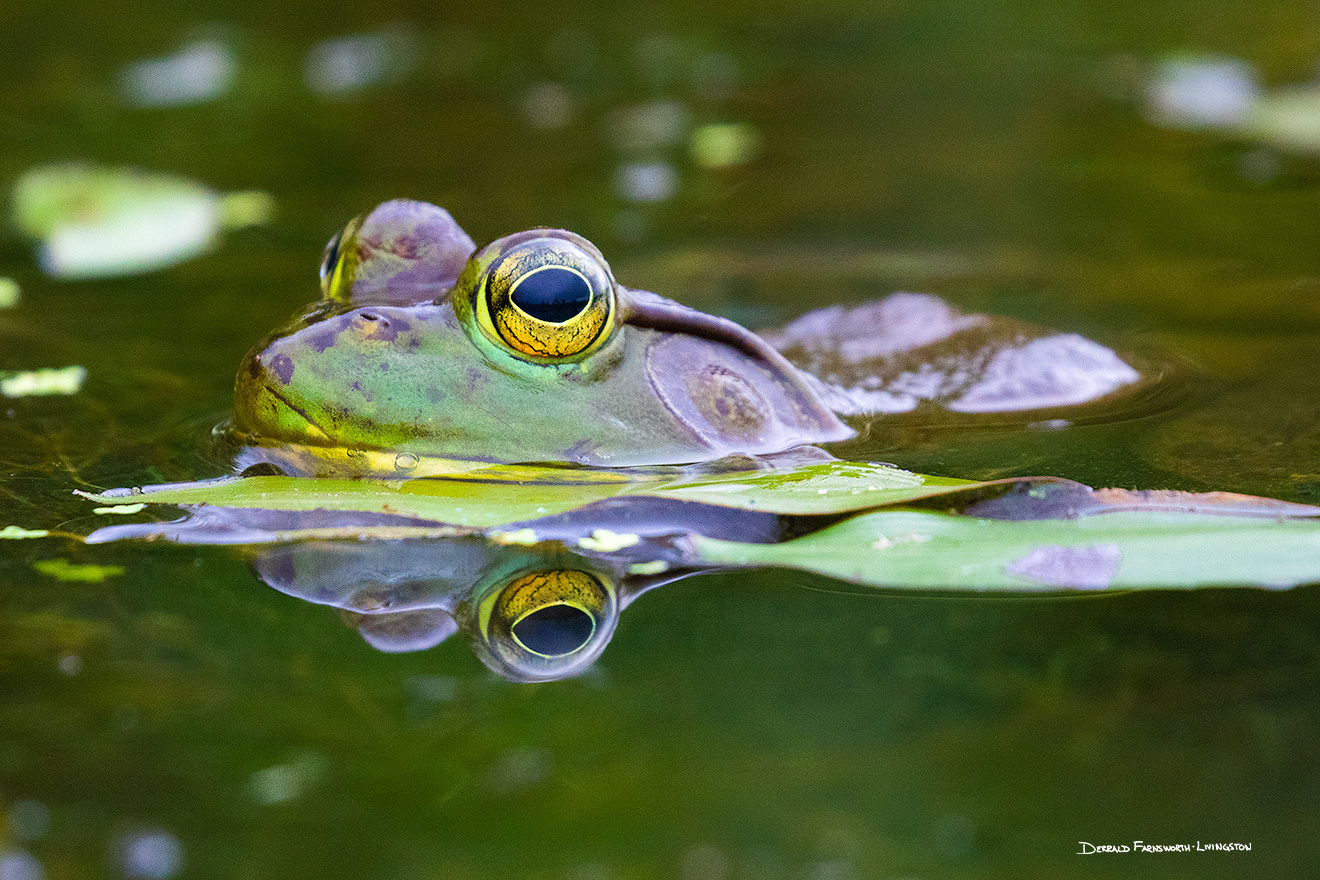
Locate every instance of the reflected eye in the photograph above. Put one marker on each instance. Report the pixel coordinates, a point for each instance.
(547, 299)
(554, 630)
(548, 624)
(339, 263)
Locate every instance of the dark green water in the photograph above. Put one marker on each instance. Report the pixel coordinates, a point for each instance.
(740, 726)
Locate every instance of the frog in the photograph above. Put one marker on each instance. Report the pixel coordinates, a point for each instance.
(529, 613)
(424, 346)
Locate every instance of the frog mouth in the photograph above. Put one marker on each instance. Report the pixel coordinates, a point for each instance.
(313, 430)
(261, 407)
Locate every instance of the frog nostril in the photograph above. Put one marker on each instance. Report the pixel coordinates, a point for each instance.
(368, 316)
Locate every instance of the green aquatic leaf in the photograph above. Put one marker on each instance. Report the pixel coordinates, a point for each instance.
(19, 533)
(94, 221)
(1125, 549)
(51, 380)
(505, 495)
(821, 488)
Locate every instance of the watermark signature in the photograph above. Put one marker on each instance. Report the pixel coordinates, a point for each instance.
(1140, 846)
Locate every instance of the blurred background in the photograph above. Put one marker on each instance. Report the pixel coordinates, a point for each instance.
(1145, 174)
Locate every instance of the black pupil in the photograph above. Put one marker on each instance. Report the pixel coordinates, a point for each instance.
(554, 630)
(331, 255)
(552, 294)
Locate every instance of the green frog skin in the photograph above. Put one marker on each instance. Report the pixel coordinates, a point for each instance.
(526, 350)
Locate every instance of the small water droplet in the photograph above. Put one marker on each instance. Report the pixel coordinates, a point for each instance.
(405, 461)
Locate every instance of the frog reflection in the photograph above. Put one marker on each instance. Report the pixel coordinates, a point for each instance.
(530, 614)
(528, 350)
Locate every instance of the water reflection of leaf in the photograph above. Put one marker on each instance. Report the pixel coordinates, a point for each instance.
(64, 570)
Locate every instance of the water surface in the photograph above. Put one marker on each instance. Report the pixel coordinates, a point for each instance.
(184, 719)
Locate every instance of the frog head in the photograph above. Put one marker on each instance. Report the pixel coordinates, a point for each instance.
(526, 350)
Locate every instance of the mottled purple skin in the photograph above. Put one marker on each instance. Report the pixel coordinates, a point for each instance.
(404, 252)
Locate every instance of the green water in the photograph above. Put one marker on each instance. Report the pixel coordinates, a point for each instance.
(742, 725)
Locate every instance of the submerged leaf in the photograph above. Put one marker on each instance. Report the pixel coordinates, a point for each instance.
(119, 509)
(62, 569)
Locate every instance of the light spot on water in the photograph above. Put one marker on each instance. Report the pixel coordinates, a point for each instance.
(343, 65)
(150, 855)
(724, 144)
(705, 862)
(1210, 91)
(17, 864)
(646, 181)
(287, 781)
(433, 688)
(201, 71)
(29, 820)
(715, 76)
(547, 105)
(649, 127)
(518, 770)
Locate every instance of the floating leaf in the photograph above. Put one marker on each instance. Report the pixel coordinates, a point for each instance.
(31, 383)
(821, 488)
(506, 495)
(9, 293)
(17, 533)
(96, 222)
(912, 549)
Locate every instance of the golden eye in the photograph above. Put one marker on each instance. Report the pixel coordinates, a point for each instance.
(548, 624)
(339, 263)
(547, 298)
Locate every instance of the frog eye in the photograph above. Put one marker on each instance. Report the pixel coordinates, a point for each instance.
(547, 298)
(547, 624)
(339, 262)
